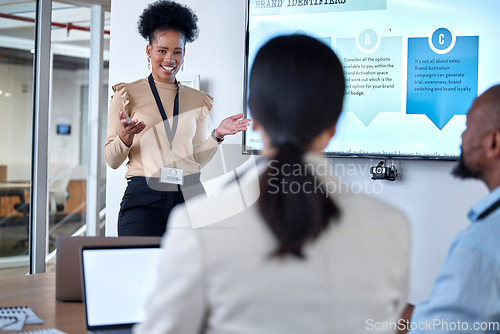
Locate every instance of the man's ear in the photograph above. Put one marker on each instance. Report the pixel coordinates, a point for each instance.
(493, 149)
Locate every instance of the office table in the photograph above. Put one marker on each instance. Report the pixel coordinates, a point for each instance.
(39, 293)
(14, 189)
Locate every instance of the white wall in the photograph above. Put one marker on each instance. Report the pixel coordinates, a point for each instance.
(17, 116)
(65, 109)
(435, 203)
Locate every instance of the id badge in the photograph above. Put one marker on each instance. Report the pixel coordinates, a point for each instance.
(172, 175)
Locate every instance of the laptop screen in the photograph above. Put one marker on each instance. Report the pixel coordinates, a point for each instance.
(117, 283)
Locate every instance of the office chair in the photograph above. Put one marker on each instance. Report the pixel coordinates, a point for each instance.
(59, 176)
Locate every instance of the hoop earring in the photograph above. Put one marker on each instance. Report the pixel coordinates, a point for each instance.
(149, 63)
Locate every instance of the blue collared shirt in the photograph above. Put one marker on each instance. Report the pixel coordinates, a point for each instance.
(466, 295)
(483, 205)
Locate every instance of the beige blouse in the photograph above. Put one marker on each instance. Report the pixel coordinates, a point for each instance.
(193, 146)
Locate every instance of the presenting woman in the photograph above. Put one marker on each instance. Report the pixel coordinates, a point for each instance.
(161, 126)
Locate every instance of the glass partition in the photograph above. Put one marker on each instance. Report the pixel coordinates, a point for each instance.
(68, 135)
(16, 111)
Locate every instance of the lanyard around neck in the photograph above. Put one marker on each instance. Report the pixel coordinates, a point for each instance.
(170, 132)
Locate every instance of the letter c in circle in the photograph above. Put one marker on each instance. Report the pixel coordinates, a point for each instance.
(441, 39)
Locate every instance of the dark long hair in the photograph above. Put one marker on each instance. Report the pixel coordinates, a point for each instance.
(296, 92)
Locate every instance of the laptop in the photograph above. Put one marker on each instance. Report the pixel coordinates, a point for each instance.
(68, 274)
(117, 282)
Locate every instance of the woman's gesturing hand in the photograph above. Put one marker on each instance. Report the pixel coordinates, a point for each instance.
(129, 128)
(231, 125)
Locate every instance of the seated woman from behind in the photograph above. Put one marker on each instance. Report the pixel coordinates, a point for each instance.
(307, 256)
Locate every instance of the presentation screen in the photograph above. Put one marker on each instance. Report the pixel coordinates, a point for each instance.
(412, 68)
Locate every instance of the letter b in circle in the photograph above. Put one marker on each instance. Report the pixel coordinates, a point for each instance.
(368, 39)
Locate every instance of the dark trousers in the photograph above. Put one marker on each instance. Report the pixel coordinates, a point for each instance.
(146, 205)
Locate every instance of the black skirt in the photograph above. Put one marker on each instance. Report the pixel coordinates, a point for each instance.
(147, 203)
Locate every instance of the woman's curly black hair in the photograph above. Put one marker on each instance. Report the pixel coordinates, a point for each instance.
(166, 15)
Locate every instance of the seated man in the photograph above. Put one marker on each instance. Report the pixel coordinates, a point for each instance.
(466, 295)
